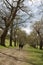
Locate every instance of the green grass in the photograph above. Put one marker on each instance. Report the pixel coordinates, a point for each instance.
(35, 56)
(7, 43)
(1, 47)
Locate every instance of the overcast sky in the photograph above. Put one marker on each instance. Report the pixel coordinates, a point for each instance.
(36, 8)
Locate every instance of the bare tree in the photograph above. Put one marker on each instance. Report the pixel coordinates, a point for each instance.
(38, 26)
(9, 11)
(12, 8)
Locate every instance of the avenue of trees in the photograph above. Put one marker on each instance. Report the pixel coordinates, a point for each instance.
(13, 15)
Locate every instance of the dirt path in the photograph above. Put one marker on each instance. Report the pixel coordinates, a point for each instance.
(13, 57)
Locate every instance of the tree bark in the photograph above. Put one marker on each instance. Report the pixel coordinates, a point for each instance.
(3, 36)
(11, 34)
(41, 44)
(10, 40)
(15, 42)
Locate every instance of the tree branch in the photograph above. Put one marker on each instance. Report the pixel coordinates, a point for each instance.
(1, 28)
(21, 22)
(6, 5)
(24, 11)
(9, 4)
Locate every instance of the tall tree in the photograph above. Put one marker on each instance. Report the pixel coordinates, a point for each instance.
(39, 29)
(9, 10)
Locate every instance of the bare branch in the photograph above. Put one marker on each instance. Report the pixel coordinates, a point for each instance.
(6, 5)
(21, 22)
(22, 1)
(9, 4)
(24, 11)
(1, 28)
(3, 12)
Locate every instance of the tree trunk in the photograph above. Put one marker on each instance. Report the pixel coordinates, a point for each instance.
(3, 36)
(15, 42)
(41, 44)
(11, 34)
(10, 40)
(11, 37)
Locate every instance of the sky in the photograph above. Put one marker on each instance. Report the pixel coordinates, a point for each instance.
(36, 10)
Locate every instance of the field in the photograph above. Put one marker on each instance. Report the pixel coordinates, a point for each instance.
(26, 56)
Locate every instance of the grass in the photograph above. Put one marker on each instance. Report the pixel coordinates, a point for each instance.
(7, 43)
(35, 56)
(1, 47)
